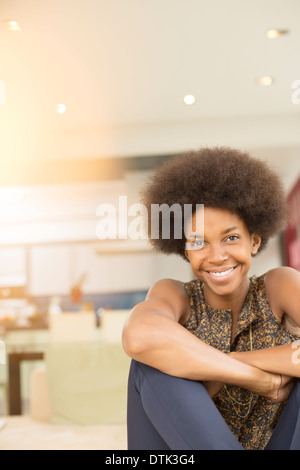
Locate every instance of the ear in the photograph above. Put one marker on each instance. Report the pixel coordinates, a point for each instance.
(187, 254)
(255, 243)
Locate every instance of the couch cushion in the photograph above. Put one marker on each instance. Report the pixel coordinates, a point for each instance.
(87, 383)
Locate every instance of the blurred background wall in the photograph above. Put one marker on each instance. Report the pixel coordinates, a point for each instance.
(93, 99)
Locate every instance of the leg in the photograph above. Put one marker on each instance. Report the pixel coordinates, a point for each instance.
(286, 435)
(166, 412)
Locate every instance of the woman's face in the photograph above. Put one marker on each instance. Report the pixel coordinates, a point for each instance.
(221, 256)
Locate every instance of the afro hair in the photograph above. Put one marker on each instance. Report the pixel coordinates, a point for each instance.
(219, 177)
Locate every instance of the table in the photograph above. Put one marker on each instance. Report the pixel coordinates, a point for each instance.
(27, 345)
(14, 388)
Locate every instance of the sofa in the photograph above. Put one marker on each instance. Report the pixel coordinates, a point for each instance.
(81, 384)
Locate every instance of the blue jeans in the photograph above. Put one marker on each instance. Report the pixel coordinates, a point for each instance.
(170, 413)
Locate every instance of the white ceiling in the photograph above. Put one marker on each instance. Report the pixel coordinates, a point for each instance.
(122, 68)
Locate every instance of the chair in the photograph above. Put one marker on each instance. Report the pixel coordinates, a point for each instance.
(112, 322)
(81, 384)
(72, 327)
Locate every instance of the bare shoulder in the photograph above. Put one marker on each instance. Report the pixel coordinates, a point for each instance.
(283, 290)
(172, 293)
(283, 274)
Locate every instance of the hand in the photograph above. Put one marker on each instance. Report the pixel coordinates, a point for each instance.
(273, 386)
(278, 391)
(283, 391)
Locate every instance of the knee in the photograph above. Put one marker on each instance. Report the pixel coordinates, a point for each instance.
(140, 372)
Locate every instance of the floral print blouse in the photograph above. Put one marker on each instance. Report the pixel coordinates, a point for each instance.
(251, 418)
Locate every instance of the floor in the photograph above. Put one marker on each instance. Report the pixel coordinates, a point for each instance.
(23, 433)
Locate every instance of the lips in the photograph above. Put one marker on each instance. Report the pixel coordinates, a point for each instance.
(221, 274)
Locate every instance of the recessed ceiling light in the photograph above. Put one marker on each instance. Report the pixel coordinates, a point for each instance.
(276, 33)
(189, 100)
(61, 108)
(264, 81)
(12, 25)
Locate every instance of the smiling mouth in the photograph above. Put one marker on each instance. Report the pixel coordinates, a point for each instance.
(221, 274)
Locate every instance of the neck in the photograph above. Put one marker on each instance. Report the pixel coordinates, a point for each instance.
(233, 301)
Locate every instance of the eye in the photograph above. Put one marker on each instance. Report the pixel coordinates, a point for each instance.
(197, 243)
(232, 238)
(194, 245)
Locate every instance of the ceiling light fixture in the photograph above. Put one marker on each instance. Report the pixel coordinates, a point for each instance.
(264, 81)
(189, 100)
(275, 33)
(61, 108)
(12, 25)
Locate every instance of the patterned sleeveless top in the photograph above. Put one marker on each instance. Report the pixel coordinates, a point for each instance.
(251, 418)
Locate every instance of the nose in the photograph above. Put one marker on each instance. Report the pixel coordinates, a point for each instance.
(217, 254)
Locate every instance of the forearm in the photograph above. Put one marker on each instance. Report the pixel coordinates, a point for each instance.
(283, 359)
(166, 345)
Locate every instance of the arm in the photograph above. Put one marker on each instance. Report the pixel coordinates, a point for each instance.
(283, 359)
(283, 290)
(153, 334)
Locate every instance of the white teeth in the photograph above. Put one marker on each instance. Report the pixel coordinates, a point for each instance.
(223, 273)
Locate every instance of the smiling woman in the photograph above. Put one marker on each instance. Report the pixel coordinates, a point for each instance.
(223, 260)
(223, 331)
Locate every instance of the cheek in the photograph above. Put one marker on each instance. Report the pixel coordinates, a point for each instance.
(195, 261)
(243, 256)
(240, 254)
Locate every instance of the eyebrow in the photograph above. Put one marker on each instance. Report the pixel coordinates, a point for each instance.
(194, 236)
(229, 230)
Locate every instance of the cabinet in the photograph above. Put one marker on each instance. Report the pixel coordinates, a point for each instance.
(55, 269)
(49, 270)
(13, 267)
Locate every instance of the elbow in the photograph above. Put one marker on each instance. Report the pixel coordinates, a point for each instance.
(132, 341)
